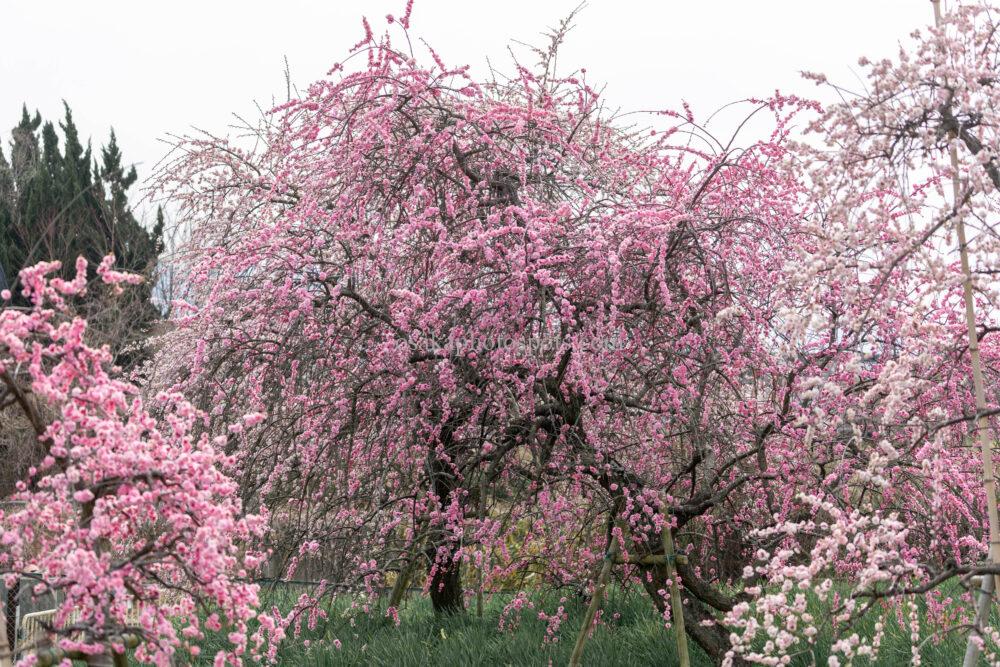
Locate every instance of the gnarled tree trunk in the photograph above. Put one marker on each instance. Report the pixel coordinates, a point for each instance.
(445, 572)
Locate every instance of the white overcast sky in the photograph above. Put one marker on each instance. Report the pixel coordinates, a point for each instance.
(153, 68)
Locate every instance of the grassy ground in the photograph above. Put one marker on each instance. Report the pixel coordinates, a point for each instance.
(630, 634)
(635, 637)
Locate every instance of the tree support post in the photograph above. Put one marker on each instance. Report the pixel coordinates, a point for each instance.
(403, 581)
(482, 565)
(676, 605)
(595, 600)
(982, 422)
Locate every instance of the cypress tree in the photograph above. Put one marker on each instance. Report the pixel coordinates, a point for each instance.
(59, 201)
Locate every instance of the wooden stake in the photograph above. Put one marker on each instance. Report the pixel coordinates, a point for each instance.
(403, 580)
(595, 601)
(982, 423)
(676, 605)
(482, 565)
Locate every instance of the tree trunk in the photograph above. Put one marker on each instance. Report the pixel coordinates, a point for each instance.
(445, 573)
(446, 587)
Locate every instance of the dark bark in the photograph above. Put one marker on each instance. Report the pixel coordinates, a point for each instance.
(446, 588)
(445, 573)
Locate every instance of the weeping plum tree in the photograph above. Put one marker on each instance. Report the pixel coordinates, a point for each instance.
(486, 324)
(433, 286)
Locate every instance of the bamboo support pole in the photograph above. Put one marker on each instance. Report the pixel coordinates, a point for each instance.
(595, 601)
(403, 581)
(482, 565)
(676, 605)
(982, 423)
(611, 559)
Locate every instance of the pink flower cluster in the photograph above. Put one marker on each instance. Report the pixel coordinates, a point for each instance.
(128, 508)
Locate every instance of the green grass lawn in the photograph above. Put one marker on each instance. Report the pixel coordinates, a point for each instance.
(635, 637)
(630, 634)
